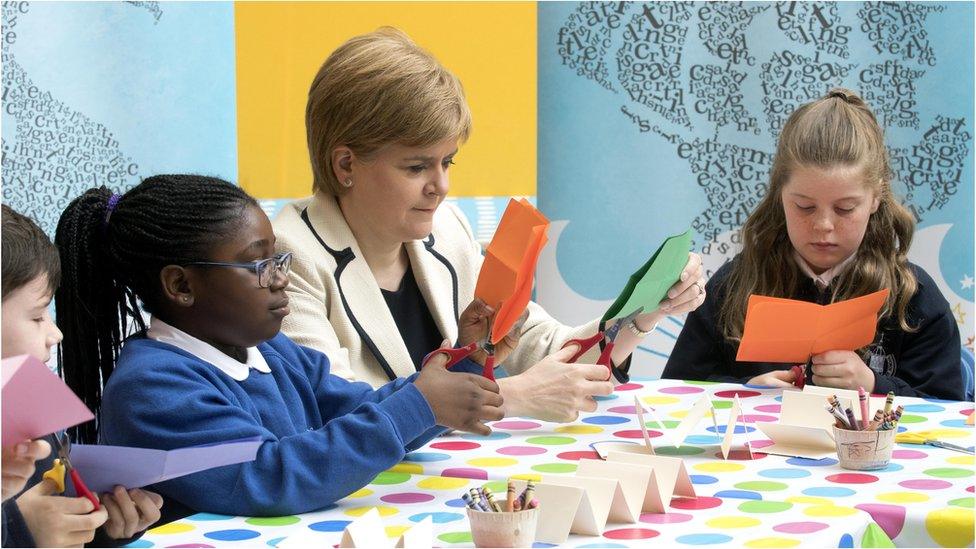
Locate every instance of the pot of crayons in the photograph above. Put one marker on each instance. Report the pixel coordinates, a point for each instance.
(502, 521)
(864, 446)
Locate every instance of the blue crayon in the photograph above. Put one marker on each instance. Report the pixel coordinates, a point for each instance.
(476, 498)
(851, 420)
(468, 502)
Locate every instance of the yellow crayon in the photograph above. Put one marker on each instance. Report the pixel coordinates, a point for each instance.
(889, 401)
(491, 499)
(510, 503)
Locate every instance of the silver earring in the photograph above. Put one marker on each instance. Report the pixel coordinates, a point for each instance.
(347, 183)
(186, 299)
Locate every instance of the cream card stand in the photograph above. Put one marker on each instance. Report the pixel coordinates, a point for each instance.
(605, 447)
(634, 480)
(602, 497)
(367, 531)
(688, 423)
(669, 478)
(803, 429)
(558, 506)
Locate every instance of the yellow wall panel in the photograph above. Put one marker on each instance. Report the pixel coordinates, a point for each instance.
(491, 47)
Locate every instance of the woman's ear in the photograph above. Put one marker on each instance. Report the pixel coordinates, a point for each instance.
(342, 157)
(177, 289)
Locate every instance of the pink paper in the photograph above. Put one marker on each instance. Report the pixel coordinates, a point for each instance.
(36, 402)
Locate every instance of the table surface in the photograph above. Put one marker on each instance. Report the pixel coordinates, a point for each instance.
(923, 498)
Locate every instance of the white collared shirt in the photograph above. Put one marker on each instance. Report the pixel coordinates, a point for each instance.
(163, 332)
(824, 279)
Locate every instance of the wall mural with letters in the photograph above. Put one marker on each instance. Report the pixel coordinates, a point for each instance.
(656, 117)
(107, 93)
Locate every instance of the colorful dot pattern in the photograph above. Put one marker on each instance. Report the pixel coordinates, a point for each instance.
(924, 498)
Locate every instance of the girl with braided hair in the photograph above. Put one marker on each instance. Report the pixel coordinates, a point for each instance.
(210, 364)
(829, 229)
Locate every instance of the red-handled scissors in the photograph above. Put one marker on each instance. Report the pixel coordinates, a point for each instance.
(610, 334)
(459, 354)
(62, 465)
(453, 355)
(799, 376)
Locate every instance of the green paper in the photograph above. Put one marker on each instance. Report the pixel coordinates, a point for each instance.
(874, 536)
(649, 285)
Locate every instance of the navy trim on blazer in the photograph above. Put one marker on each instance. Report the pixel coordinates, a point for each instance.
(342, 259)
(429, 245)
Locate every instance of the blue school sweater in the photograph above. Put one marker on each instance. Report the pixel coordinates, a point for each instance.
(324, 437)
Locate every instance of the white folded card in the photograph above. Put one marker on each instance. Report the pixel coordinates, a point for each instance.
(368, 531)
(688, 423)
(601, 498)
(634, 480)
(558, 506)
(669, 478)
(804, 427)
(602, 448)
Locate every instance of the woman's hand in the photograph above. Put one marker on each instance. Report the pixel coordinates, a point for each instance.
(18, 464)
(689, 291)
(842, 370)
(130, 512)
(473, 327)
(554, 390)
(685, 296)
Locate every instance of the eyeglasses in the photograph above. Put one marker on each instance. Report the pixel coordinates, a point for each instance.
(266, 269)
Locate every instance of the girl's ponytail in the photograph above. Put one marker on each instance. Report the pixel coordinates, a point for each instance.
(95, 309)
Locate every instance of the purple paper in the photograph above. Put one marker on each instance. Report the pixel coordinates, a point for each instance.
(104, 467)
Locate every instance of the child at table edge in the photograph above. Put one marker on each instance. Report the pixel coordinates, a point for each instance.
(829, 229)
(35, 515)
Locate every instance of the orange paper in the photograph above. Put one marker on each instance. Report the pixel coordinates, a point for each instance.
(508, 270)
(785, 330)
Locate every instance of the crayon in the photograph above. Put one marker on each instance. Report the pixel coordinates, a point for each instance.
(476, 497)
(533, 503)
(839, 416)
(529, 492)
(510, 503)
(518, 505)
(862, 396)
(468, 501)
(484, 500)
(491, 500)
(889, 401)
(851, 420)
(896, 416)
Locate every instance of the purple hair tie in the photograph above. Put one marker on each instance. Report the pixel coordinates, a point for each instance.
(112, 202)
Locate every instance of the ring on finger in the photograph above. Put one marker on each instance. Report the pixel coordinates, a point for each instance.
(698, 285)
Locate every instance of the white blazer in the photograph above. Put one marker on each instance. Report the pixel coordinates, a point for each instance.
(337, 306)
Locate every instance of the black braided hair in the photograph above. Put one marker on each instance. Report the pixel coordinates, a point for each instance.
(111, 260)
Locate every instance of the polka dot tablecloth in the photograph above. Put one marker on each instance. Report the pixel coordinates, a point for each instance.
(923, 498)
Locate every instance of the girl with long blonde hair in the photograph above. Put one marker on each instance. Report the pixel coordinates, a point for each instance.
(829, 229)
